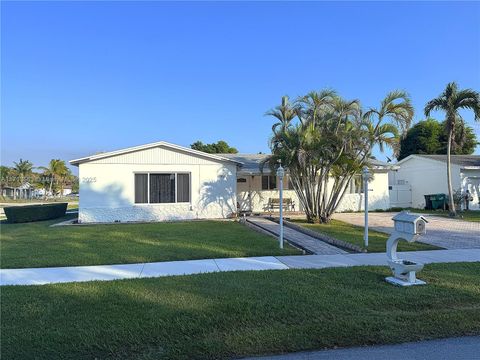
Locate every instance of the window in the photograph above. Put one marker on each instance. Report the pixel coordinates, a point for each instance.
(269, 182)
(141, 188)
(162, 188)
(183, 187)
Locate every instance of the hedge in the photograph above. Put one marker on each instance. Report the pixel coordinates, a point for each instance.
(27, 213)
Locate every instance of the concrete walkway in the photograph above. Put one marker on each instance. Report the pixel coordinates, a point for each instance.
(309, 243)
(40, 276)
(443, 232)
(466, 347)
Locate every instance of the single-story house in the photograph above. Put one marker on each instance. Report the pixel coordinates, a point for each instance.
(24, 191)
(427, 174)
(163, 181)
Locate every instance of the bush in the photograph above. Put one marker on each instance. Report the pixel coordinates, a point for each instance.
(27, 213)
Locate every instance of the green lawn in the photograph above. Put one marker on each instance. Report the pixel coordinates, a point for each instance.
(354, 235)
(38, 245)
(461, 215)
(233, 314)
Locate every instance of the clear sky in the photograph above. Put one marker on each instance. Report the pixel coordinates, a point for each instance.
(83, 77)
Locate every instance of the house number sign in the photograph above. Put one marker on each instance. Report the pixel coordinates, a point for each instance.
(89, 179)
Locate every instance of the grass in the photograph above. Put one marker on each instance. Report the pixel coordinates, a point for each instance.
(38, 245)
(354, 235)
(470, 215)
(225, 315)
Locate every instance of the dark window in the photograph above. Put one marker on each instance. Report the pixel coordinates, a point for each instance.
(162, 188)
(183, 187)
(269, 182)
(241, 180)
(141, 188)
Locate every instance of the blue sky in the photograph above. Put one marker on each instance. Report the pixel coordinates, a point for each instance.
(83, 77)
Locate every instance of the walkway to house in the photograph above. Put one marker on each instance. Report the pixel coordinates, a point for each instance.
(40, 276)
(443, 232)
(306, 242)
(466, 347)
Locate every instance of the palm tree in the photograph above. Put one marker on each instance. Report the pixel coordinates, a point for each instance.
(56, 169)
(398, 110)
(23, 168)
(284, 113)
(450, 101)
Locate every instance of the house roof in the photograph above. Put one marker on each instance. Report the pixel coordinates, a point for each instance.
(251, 163)
(217, 157)
(465, 161)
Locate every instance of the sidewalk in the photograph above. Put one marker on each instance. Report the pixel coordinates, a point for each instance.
(40, 276)
(466, 347)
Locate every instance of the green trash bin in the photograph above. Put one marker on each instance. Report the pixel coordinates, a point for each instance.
(439, 201)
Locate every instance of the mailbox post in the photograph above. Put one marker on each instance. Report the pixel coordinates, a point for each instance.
(408, 227)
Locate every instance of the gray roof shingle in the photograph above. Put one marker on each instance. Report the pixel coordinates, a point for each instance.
(251, 162)
(462, 160)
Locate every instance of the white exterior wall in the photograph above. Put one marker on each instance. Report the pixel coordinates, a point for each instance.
(107, 192)
(470, 179)
(258, 201)
(378, 197)
(426, 176)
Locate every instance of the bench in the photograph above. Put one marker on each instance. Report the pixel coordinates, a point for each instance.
(274, 203)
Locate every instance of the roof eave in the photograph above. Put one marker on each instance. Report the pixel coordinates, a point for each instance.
(79, 161)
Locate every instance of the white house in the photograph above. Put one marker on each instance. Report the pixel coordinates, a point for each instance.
(427, 174)
(155, 182)
(256, 187)
(163, 181)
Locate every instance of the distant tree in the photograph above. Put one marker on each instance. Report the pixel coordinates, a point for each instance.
(430, 137)
(220, 147)
(56, 170)
(4, 177)
(23, 169)
(451, 101)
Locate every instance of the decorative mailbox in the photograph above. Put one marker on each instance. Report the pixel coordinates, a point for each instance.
(407, 227)
(409, 223)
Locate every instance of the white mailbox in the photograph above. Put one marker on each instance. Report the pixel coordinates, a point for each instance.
(410, 223)
(408, 227)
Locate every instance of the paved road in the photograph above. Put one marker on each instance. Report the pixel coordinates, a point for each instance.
(467, 347)
(313, 245)
(443, 232)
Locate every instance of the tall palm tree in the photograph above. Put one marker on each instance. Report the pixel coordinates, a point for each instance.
(284, 113)
(451, 101)
(397, 109)
(23, 168)
(55, 170)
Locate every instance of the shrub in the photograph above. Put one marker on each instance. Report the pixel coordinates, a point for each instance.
(27, 213)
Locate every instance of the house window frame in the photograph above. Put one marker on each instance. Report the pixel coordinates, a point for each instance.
(269, 182)
(176, 173)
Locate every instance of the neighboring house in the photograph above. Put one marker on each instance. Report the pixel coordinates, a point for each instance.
(163, 181)
(427, 174)
(24, 191)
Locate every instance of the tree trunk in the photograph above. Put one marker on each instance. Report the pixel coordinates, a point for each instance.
(451, 202)
(51, 185)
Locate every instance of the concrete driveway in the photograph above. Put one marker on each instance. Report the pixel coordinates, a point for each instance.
(444, 232)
